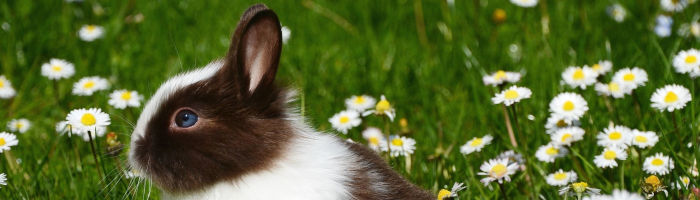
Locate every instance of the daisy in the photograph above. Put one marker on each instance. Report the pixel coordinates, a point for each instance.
(91, 120)
(617, 12)
(663, 26)
(653, 185)
(500, 76)
(579, 76)
(6, 90)
(374, 138)
(512, 95)
(443, 193)
(3, 179)
(19, 125)
(611, 89)
(63, 127)
(7, 140)
(475, 144)
(89, 33)
(345, 120)
(617, 195)
(658, 164)
(570, 106)
(88, 85)
(566, 136)
(670, 98)
(497, 170)
(630, 79)
(578, 189)
(360, 103)
(525, 3)
(687, 61)
(607, 158)
(57, 69)
(549, 152)
(556, 122)
(121, 99)
(561, 178)
(602, 67)
(615, 136)
(400, 146)
(286, 33)
(383, 107)
(644, 139)
(683, 182)
(673, 5)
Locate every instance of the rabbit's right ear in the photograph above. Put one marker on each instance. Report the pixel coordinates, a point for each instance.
(254, 54)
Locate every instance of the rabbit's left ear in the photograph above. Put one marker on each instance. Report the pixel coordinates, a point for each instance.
(254, 54)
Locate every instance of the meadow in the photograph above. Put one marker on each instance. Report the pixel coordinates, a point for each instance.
(428, 58)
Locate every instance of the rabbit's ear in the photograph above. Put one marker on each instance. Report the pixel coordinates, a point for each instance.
(255, 49)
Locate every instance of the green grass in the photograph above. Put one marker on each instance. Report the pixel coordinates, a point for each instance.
(339, 49)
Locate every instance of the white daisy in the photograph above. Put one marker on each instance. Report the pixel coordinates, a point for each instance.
(511, 156)
(63, 127)
(475, 144)
(658, 164)
(566, 136)
(383, 107)
(7, 140)
(570, 106)
(549, 152)
(644, 139)
(525, 3)
(374, 138)
(687, 61)
(613, 89)
(83, 120)
(630, 79)
(6, 90)
(578, 189)
(89, 85)
(607, 158)
(400, 146)
(615, 136)
(683, 182)
(556, 122)
(670, 98)
(497, 170)
(662, 31)
(3, 179)
(57, 69)
(19, 125)
(89, 33)
(579, 76)
(121, 99)
(286, 34)
(617, 12)
(500, 76)
(602, 67)
(673, 5)
(512, 95)
(345, 120)
(443, 193)
(360, 103)
(561, 178)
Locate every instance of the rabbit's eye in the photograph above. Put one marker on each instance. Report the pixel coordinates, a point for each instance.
(185, 118)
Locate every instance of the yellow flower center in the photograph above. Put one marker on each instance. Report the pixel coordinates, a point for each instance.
(443, 194)
(652, 180)
(565, 137)
(671, 97)
(344, 119)
(628, 77)
(596, 67)
(2, 141)
(579, 187)
(685, 180)
(578, 74)
(614, 87)
(568, 106)
(498, 170)
(56, 68)
(657, 162)
(476, 142)
(359, 100)
(615, 135)
(552, 151)
(2, 83)
(511, 94)
(397, 142)
(374, 140)
(559, 176)
(383, 106)
(88, 119)
(89, 84)
(690, 59)
(500, 74)
(609, 155)
(19, 125)
(562, 123)
(91, 28)
(641, 139)
(126, 96)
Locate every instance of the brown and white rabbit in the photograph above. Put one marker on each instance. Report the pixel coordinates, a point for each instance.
(225, 131)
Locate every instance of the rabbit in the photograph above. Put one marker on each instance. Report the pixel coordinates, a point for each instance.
(227, 131)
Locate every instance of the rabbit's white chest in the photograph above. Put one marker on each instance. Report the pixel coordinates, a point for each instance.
(316, 167)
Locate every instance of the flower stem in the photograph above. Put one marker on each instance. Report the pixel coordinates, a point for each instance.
(509, 128)
(11, 161)
(503, 191)
(94, 155)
